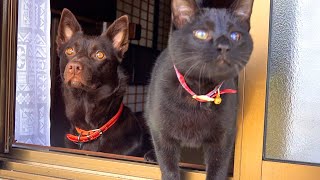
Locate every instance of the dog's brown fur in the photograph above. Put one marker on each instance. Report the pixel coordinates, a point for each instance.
(93, 88)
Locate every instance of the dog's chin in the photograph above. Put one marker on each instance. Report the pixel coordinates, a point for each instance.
(75, 84)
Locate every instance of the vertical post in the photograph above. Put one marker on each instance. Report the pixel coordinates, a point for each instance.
(8, 49)
(155, 24)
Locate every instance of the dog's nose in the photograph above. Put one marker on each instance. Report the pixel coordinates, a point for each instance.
(74, 67)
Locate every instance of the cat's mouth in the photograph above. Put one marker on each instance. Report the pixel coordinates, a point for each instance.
(222, 61)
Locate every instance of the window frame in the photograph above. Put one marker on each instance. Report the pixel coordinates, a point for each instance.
(8, 53)
(18, 162)
(252, 164)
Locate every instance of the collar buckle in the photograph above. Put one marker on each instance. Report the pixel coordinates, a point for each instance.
(212, 96)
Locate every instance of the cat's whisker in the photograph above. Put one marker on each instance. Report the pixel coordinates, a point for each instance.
(164, 80)
(199, 81)
(242, 60)
(238, 58)
(180, 90)
(201, 69)
(238, 65)
(184, 53)
(191, 58)
(186, 60)
(191, 69)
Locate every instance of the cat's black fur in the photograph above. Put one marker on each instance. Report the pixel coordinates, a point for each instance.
(215, 3)
(93, 88)
(174, 118)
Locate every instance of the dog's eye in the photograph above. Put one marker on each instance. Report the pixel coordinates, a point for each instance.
(69, 51)
(100, 55)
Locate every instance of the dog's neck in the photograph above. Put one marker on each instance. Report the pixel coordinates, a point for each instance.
(90, 110)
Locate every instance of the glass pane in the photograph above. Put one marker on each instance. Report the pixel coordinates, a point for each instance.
(293, 101)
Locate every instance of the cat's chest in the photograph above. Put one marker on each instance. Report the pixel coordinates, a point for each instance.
(192, 127)
(194, 120)
(192, 123)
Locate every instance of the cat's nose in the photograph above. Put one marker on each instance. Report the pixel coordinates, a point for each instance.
(74, 67)
(222, 44)
(223, 48)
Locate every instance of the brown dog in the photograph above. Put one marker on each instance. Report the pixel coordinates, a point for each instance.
(93, 88)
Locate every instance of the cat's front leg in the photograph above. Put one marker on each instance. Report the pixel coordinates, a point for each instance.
(217, 159)
(168, 155)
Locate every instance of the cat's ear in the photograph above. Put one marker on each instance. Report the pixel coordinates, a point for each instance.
(182, 11)
(118, 33)
(243, 9)
(68, 26)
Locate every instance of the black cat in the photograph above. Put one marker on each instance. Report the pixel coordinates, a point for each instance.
(192, 97)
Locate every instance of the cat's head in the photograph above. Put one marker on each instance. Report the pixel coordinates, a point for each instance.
(212, 42)
(89, 62)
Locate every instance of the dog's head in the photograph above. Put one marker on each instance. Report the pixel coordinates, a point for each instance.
(88, 62)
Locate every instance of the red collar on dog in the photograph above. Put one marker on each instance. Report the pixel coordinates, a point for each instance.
(212, 96)
(85, 136)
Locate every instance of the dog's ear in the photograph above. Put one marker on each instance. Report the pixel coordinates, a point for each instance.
(118, 33)
(68, 26)
(182, 11)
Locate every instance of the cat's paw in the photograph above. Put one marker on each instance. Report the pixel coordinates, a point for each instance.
(150, 156)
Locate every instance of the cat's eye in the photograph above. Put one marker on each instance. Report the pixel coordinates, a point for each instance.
(235, 36)
(69, 51)
(201, 34)
(100, 55)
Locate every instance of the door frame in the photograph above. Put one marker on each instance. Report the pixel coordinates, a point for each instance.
(250, 163)
(8, 51)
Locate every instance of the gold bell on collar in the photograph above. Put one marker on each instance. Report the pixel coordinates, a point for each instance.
(217, 99)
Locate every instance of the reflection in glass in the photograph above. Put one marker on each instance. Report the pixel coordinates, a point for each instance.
(293, 101)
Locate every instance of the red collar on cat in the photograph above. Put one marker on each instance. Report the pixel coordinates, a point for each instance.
(85, 136)
(212, 96)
